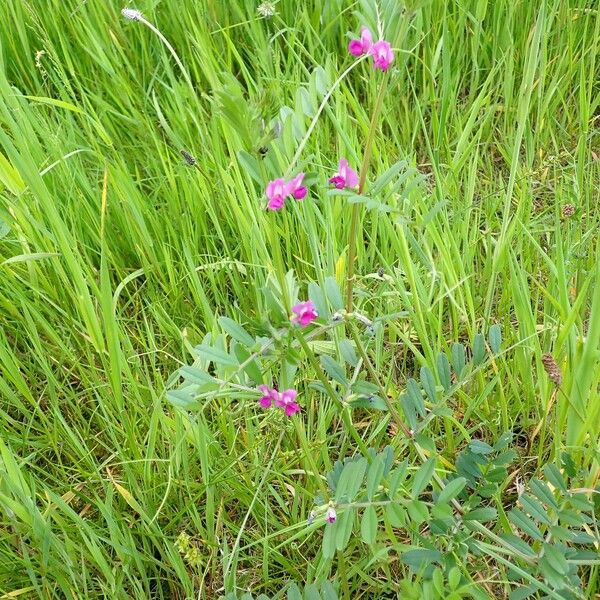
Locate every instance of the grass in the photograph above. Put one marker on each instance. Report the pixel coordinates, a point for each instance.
(117, 258)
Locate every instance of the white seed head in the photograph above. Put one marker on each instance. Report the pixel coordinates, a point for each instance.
(266, 9)
(131, 14)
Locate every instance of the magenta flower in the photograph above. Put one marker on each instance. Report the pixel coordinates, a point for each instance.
(284, 400)
(382, 54)
(304, 313)
(276, 193)
(279, 189)
(362, 46)
(295, 187)
(287, 401)
(269, 396)
(381, 51)
(345, 177)
(331, 515)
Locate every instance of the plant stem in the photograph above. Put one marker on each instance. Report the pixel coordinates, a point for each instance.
(331, 392)
(364, 167)
(371, 369)
(170, 48)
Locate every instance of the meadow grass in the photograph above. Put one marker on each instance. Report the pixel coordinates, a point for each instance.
(117, 258)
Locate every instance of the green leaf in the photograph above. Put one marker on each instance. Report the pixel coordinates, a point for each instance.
(215, 355)
(531, 506)
(454, 577)
(348, 353)
(414, 394)
(328, 547)
(322, 81)
(481, 514)
(519, 544)
(442, 512)
(250, 164)
(580, 502)
(371, 402)
(328, 591)
(452, 489)
(11, 177)
(368, 525)
(418, 511)
(195, 375)
(408, 408)
(554, 476)
(550, 574)
(422, 477)
(293, 593)
(542, 492)
(333, 369)
(479, 350)
(395, 515)
(480, 447)
(525, 524)
(572, 518)
(397, 477)
(4, 228)
(522, 592)
(311, 592)
(345, 523)
(420, 557)
(315, 293)
(428, 383)
(375, 475)
(443, 367)
(183, 398)
(333, 293)
(350, 480)
(495, 338)
(388, 175)
(251, 369)
(459, 358)
(236, 331)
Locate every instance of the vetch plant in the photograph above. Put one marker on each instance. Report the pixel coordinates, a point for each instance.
(449, 512)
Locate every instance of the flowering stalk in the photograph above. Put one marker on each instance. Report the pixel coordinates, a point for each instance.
(361, 186)
(132, 14)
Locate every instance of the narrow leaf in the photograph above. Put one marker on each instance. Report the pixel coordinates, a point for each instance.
(368, 525)
(443, 367)
(422, 477)
(236, 331)
(495, 338)
(215, 355)
(452, 489)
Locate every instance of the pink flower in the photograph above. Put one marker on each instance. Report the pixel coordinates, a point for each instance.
(331, 515)
(295, 187)
(287, 401)
(269, 396)
(279, 189)
(345, 177)
(276, 193)
(362, 46)
(284, 400)
(304, 313)
(382, 54)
